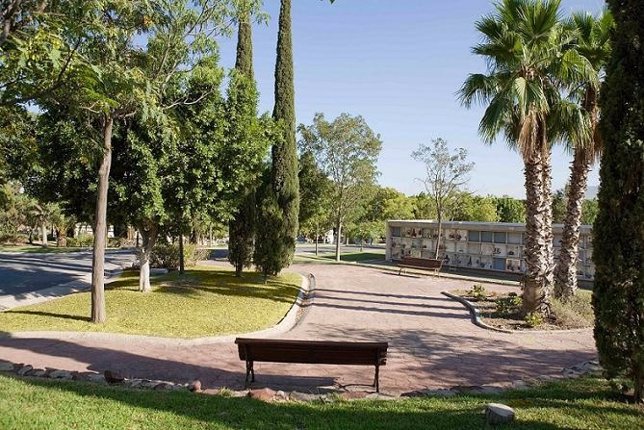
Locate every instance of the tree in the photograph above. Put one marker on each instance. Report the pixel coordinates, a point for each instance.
(244, 133)
(315, 188)
(589, 211)
(445, 175)
(530, 61)
(474, 208)
(346, 150)
(118, 80)
(559, 204)
(510, 209)
(593, 41)
(618, 233)
(284, 168)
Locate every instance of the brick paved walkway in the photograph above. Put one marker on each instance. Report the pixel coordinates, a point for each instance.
(433, 344)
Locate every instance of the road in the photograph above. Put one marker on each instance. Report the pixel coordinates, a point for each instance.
(23, 273)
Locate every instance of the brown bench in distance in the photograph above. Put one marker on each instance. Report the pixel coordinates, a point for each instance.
(313, 352)
(420, 263)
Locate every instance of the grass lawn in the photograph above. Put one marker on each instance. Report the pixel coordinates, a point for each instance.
(205, 301)
(46, 404)
(354, 257)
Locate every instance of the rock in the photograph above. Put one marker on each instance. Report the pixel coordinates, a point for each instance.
(304, 397)
(163, 386)
(195, 386)
(24, 369)
(95, 377)
(38, 373)
(263, 394)
(113, 377)
(353, 395)
(379, 396)
(281, 395)
(5, 366)
(61, 374)
(497, 413)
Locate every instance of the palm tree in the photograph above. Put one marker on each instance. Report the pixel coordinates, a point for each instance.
(524, 42)
(593, 43)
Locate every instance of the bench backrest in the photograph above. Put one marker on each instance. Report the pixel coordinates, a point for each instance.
(318, 352)
(422, 262)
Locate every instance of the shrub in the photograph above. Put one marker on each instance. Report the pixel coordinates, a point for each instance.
(509, 305)
(533, 319)
(13, 239)
(575, 313)
(166, 255)
(478, 292)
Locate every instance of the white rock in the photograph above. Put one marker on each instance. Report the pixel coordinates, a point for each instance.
(497, 413)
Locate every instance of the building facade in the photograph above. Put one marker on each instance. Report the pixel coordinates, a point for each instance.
(477, 245)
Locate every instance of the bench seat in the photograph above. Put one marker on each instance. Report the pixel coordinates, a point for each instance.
(312, 352)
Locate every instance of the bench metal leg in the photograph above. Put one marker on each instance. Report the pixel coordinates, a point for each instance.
(250, 372)
(376, 380)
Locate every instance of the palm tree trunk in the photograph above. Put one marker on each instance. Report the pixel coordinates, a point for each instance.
(536, 286)
(100, 226)
(566, 269)
(43, 230)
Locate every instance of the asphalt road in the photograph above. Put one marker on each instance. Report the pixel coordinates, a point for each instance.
(22, 273)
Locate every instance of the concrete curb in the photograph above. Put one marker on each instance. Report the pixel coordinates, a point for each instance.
(477, 321)
(83, 283)
(284, 325)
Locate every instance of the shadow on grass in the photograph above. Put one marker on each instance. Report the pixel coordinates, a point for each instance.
(535, 409)
(50, 314)
(196, 283)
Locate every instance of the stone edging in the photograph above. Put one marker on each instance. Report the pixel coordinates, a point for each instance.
(476, 319)
(268, 395)
(474, 313)
(285, 324)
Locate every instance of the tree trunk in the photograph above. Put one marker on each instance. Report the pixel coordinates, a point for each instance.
(566, 268)
(149, 239)
(317, 237)
(337, 242)
(440, 234)
(100, 226)
(43, 240)
(182, 265)
(536, 287)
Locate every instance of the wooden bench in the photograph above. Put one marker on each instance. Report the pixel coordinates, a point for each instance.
(420, 263)
(313, 352)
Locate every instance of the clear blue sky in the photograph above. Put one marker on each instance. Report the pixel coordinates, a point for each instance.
(398, 64)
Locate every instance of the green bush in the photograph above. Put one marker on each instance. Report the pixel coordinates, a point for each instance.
(166, 255)
(13, 239)
(478, 292)
(509, 305)
(533, 319)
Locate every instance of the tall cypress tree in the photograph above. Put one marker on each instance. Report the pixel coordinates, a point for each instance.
(618, 295)
(284, 168)
(242, 226)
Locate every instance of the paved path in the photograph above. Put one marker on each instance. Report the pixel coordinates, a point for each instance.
(433, 344)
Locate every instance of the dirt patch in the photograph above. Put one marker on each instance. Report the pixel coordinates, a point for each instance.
(503, 310)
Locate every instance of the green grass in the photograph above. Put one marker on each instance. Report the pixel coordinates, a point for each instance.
(45, 404)
(205, 301)
(352, 257)
(38, 249)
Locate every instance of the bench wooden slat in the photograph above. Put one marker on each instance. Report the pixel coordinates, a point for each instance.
(420, 263)
(312, 352)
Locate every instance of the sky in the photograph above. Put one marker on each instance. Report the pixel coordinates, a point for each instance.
(399, 65)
